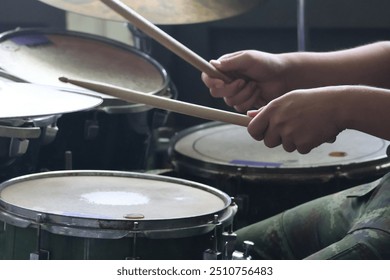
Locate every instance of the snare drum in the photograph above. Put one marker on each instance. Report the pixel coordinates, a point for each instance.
(109, 215)
(267, 180)
(116, 134)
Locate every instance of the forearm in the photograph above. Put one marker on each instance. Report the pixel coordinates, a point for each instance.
(365, 109)
(365, 65)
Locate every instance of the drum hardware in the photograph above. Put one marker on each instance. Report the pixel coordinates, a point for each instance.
(224, 249)
(134, 236)
(214, 253)
(91, 129)
(140, 40)
(87, 248)
(39, 254)
(156, 153)
(48, 126)
(17, 147)
(247, 246)
(19, 132)
(224, 243)
(68, 160)
(20, 145)
(229, 240)
(18, 139)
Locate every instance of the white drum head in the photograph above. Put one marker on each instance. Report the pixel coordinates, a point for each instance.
(105, 196)
(231, 145)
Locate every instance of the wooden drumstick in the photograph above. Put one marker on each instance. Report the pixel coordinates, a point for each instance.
(162, 102)
(164, 39)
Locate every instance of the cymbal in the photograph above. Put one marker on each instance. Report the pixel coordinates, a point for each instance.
(161, 11)
(22, 100)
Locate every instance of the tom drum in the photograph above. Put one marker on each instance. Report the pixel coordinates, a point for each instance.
(267, 180)
(115, 135)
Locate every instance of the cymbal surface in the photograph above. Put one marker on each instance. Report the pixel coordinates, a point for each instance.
(161, 11)
(21, 100)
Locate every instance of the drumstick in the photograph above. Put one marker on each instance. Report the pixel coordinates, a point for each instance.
(164, 39)
(162, 102)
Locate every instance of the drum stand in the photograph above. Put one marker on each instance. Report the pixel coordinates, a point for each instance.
(140, 40)
(301, 25)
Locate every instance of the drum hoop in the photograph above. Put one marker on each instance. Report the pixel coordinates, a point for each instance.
(323, 174)
(113, 229)
(113, 43)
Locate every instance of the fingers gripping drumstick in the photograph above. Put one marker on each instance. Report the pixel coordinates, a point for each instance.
(164, 39)
(162, 102)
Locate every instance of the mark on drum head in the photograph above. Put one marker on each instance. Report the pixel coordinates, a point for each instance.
(134, 216)
(31, 40)
(337, 154)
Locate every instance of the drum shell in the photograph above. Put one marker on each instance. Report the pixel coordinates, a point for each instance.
(18, 243)
(79, 237)
(262, 191)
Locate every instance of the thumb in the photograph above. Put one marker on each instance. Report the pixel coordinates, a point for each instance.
(253, 113)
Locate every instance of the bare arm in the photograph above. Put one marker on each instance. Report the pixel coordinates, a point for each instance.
(365, 65)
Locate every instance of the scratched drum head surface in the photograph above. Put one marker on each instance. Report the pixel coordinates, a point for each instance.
(230, 145)
(111, 195)
(42, 56)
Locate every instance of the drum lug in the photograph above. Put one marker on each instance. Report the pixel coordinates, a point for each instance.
(134, 257)
(49, 135)
(39, 254)
(229, 242)
(247, 246)
(18, 147)
(214, 253)
(91, 129)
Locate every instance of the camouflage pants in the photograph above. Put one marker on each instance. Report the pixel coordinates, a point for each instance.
(352, 224)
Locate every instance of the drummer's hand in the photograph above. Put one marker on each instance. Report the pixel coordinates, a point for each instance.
(299, 120)
(260, 79)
